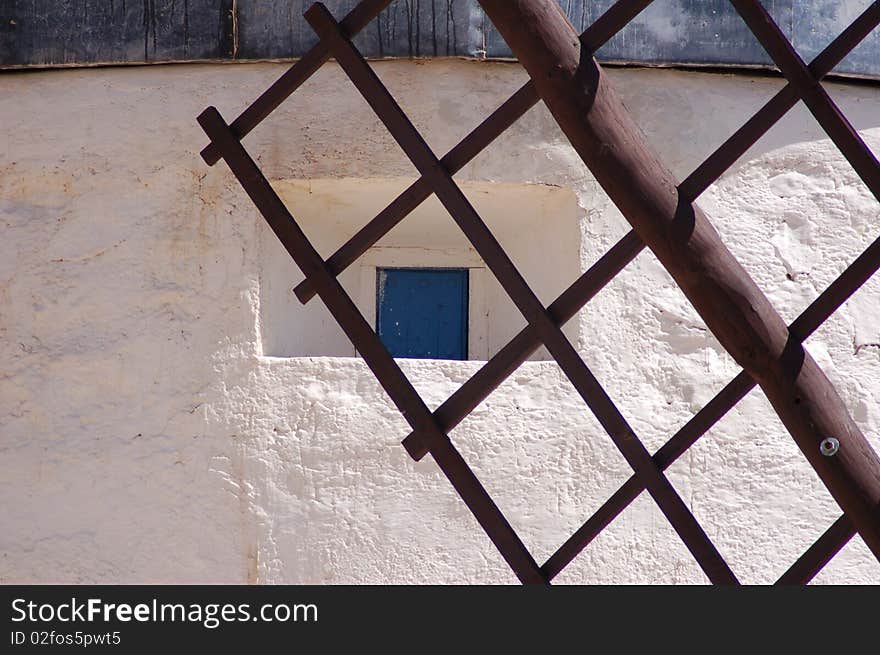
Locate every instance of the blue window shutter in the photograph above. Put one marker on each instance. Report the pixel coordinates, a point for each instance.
(423, 312)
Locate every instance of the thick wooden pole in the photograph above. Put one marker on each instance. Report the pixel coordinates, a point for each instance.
(600, 129)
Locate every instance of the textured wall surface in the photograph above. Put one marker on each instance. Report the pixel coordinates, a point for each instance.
(692, 32)
(144, 436)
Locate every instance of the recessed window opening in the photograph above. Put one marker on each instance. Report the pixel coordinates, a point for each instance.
(423, 287)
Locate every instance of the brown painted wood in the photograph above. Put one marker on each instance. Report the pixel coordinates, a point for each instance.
(819, 554)
(430, 431)
(392, 379)
(416, 193)
(356, 20)
(753, 129)
(585, 105)
(490, 376)
(496, 259)
(813, 94)
(595, 36)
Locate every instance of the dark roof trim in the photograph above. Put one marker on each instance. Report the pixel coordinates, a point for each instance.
(57, 33)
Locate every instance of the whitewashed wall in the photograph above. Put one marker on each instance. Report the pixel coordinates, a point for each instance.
(144, 436)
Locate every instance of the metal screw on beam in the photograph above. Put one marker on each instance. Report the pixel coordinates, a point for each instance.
(829, 447)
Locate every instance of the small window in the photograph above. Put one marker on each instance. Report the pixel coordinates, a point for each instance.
(423, 312)
(535, 223)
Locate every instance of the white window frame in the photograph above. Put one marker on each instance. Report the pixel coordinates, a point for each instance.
(391, 257)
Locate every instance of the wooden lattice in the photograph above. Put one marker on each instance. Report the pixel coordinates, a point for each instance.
(430, 430)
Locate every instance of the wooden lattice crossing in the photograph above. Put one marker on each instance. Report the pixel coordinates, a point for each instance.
(664, 218)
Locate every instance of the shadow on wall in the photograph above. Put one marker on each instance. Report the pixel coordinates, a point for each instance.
(535, 223)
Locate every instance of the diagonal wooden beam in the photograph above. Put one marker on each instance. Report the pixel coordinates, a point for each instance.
(433, 429)
(484, 242)
(416, 193)
(814, 95)
(474, 391)
(736, 146)
(600, 129)
(356, 20)
(819, 554)
(605, 27)
(478, 387)
(389, 375)
(844, 286)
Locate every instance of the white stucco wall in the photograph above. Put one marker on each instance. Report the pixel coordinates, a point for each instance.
(145, 436)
